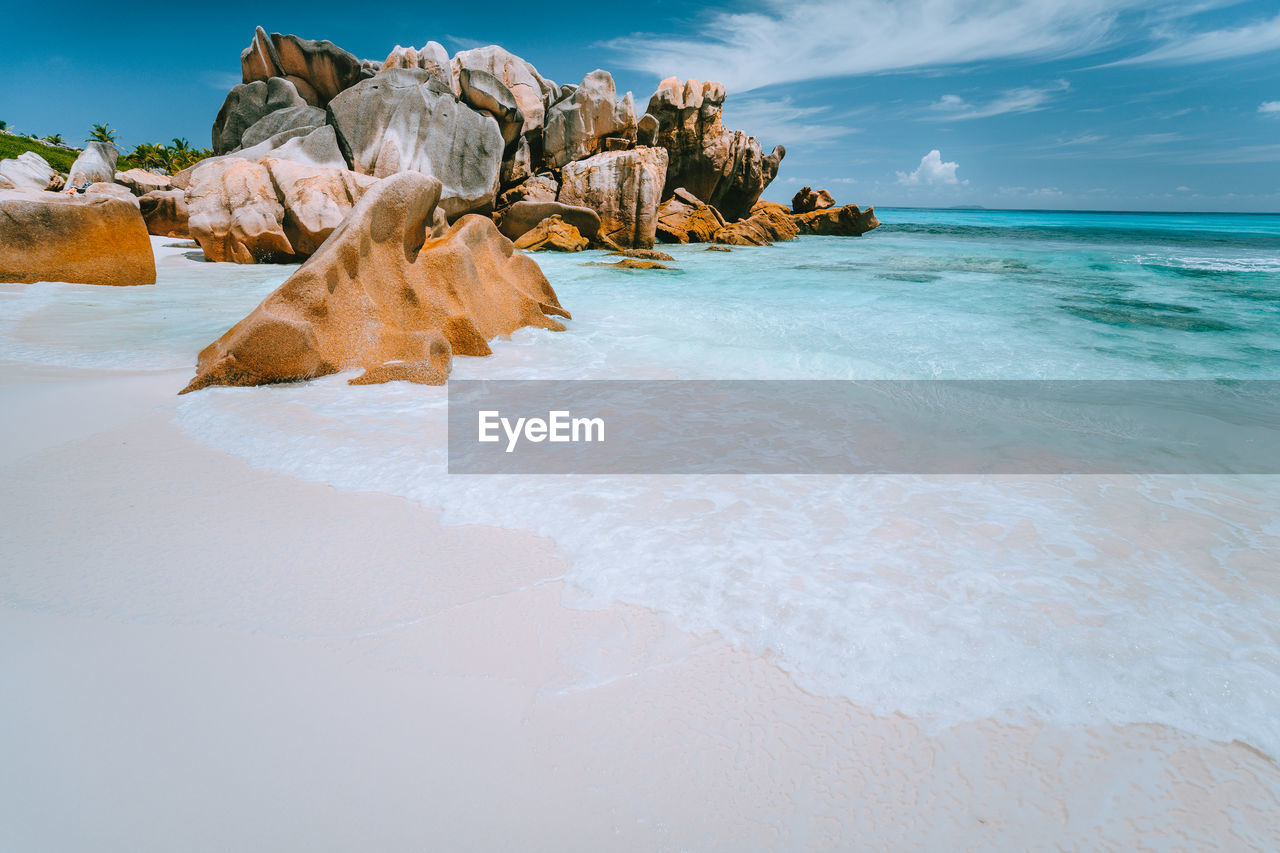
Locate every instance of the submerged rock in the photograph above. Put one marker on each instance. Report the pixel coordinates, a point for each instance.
(85, 239)
(623, 187)
(644, 254)
(634, 264)
(552, 234)
(385, 295)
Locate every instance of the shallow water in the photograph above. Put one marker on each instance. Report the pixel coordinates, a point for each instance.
(1072, 600)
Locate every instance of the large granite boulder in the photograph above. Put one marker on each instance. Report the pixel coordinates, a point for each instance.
(524, 216)
(542, 187)
(685, 218)
(315, 200)
(112, 189)
(768, 223)
(401, 120)
(318, 69)
(140, 181)
(725, 168)
(96, 164)
(432, 58)
(248, 103)
(624, 187)
(165, 212)
(579, 125)
(234, 213)
(524, 82)
(485, 93)
(385, 295)
(552, 234)
(27, 171)
(846, 221)
(94, 239)
(273, 123)
(806, 200)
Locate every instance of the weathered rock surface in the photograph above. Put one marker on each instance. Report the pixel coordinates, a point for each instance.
(537, 188)
(400, 121)
(768, 223)
(552, 234)
(94, 239)
(634, 264)
(273, 123)
(234, 213)
(806, 200)
(112, 189)
(524, 216)
(578, 126)
(524, 82)
(624, 187)
(725, 168)
(384, 295)
(432, 58)
(644, 254)
(27, 171)
(684, 218)
(315, 200)
(485, 93)
(96, 163)
(165, 212)
(246, 104)
(140, 181)
(847, 221)
(318, 69)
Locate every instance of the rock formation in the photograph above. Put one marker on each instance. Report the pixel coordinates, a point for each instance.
(684, 218)
(401, 120)
(96, 163)
(247, 104)
(385, 295)
(27, 171)
(552, 234)
(432, 58)
(140, 181)
(847, 221)
(725, 168)
(521, 79)
(524, 216)
(768, 223)
(315, 200)
(579, 125)
(93, 239)
(165, 212)
(112, 189)
(319, 70)
(624, 187)
(807, 201)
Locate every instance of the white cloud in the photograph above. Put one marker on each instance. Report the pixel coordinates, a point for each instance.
(1269, 108)
(1182, 47)
(932, 170)
(1024, 99)
(784, 41)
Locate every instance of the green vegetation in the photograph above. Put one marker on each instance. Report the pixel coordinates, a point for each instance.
(59, 158)
(102, 133)
(172, 158)
(54, 139)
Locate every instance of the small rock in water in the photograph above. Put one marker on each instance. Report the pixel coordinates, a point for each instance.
(634, 264)
(644, 254)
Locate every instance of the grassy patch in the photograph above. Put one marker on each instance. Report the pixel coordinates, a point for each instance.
(59, 158)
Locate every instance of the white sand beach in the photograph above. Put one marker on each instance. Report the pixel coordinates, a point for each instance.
(426, 687)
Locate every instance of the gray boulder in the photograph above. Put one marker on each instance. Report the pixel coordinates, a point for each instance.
(485, 93)
(96, 164)
(432, 58)
(27, 171)
(577, 126)
(140, 181)
(524, 216)
(246, 104)
(526, 85)
(113, 190)
(401, 121)
(279, 121)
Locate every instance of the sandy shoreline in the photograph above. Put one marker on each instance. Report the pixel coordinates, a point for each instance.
(198, 655)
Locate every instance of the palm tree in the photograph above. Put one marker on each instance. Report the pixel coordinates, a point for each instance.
(102, 133)
(54, 139)
(4, 125)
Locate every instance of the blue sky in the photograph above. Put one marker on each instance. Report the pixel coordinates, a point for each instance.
(1045, 104)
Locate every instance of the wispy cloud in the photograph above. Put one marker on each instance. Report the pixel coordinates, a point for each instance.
(932, 170)
(1024, 99)
(1269, 108)
(779, 119)
(784, 41)
(1182, 47)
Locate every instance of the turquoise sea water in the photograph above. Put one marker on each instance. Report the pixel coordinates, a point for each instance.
(1071, 600)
